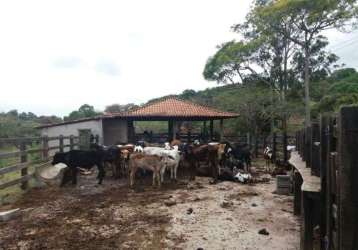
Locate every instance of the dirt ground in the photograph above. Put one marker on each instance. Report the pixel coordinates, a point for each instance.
(185, 215)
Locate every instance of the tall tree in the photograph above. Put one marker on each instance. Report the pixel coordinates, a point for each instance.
(310, 19)
(118, 108)
(83, 112)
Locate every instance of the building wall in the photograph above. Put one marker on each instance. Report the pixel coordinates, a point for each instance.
(73, 129)
(115, 131)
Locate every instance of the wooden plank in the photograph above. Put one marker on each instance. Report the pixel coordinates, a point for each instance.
(307, 147)
(23, 159)
(326, 195)
(35, 150)
(16, 181)
(307, 222)
(13, 168)
(297, 193)
(310, 183)
(54, 147)
(19, 139)
(10, 154)
(315, 145)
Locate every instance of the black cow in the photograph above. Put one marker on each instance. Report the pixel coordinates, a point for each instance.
(239, 155)
(80, 158)
(110, 154)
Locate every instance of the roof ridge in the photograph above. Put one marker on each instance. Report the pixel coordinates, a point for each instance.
(204, 105)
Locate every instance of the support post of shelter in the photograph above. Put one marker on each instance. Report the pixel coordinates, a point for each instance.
(211, 130)
(23, 159)
(131, 132)
(174, 130)
(221, 129)
(205, 131)
(170, 130)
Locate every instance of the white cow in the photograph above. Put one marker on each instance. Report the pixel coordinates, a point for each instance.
(172, 162)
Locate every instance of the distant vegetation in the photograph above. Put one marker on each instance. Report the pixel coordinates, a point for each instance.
(14, 124)
(251, 101)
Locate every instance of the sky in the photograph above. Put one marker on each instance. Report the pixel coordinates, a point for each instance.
(57, 55)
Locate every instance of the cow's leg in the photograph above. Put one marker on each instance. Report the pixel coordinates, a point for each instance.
(162, 173)
(131, 177)
(74, 175)
(159, 180)
(119, 166)
(101, 173)
(175, 170)
(66, 176)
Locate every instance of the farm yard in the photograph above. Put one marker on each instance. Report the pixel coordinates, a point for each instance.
(179, 125)
(184, 215)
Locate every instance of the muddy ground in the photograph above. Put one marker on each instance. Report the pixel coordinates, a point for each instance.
(226, 215)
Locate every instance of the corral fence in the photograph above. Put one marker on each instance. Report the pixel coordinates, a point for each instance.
(257, 144)
(329, 151)
(22, 154)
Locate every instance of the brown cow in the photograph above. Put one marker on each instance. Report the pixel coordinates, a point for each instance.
(204, 153)
(153, 163)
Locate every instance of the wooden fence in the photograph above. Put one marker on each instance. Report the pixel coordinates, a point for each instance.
(329, 149)
(21, 159)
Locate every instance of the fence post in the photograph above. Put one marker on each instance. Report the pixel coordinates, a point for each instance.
(256, 150)
(308, 146)
(61, 143)
(23, 159)
(284, 144)
(264, 142)
(325, 191)
(315, 157)
(189, 136)
(45, 148)
(303, 145)
(72, 143)
(348, 176)
(274, 147)
(297, 193)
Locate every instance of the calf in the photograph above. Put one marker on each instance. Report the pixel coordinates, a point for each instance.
(172, 163)
(153, 163)
(75, 159)
(268, 157)
(125, 152)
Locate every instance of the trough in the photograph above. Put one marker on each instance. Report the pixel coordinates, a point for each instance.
(283, 184)
(8, 215)
(52, 175)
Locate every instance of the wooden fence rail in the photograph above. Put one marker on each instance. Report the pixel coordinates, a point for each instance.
(23, 153)
(330, 150)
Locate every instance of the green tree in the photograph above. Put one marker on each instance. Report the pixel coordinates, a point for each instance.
(118, 108)
(310, 19)
(85, 111)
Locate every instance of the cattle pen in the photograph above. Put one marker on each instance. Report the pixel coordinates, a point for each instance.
(187, 214)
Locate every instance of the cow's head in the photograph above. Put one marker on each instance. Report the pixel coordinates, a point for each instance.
(59, 158)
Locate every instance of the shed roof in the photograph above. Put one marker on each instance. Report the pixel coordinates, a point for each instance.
(169, 108)
(175, 108)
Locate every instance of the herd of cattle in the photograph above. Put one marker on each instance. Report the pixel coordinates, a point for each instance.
(126, 160)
